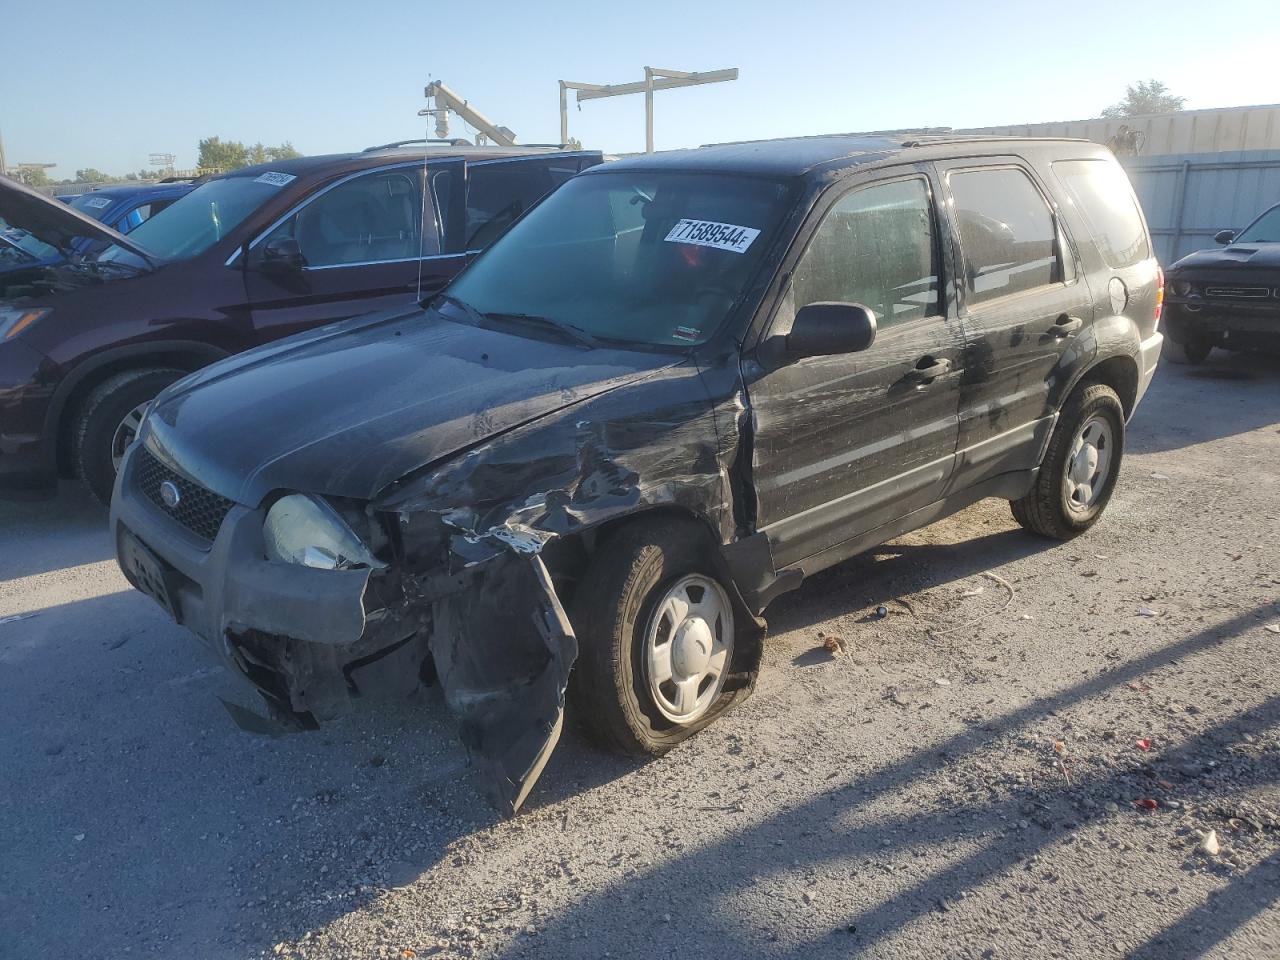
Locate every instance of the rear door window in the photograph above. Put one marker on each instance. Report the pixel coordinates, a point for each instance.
(498, 193)
(876, 247)
(1007, 232)
(1100, 192)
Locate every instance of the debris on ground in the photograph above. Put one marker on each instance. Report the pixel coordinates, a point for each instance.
(832, 644)
(1142, 744)
(1147, 803)
(1209, 845)
(1147, 612)
(16, 617)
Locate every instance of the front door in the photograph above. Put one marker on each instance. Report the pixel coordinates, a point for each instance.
(1023, 307)
(846, 443)
(368, 242)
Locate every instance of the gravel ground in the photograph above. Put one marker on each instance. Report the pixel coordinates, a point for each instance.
(970, 777)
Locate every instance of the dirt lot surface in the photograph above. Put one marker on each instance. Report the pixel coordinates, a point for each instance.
(1020, 758)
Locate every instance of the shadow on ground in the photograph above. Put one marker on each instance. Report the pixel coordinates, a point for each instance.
(814, 833)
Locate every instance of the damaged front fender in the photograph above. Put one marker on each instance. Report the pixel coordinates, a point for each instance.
(503, 650)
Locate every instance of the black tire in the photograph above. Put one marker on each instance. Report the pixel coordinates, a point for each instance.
(102, 412)
(1193, 349)
(1046, 510)
(608, 690)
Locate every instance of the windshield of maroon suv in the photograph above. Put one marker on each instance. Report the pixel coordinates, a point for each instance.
(1266, 229)
(194, 223)
(633, 256)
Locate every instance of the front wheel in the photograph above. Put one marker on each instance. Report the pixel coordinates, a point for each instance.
(1080, 467)
(1194, 348)
(656, 639)
(108, 424)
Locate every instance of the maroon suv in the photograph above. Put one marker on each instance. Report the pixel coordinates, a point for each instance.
(246, 258)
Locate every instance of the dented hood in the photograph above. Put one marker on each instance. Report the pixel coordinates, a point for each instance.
(348, 409)
(53, 221)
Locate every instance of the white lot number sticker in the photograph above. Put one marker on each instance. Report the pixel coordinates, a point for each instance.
(276, 179)
(97, 203)
(708, 233)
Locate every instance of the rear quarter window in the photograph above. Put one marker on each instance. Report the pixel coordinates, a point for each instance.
(1100, 193)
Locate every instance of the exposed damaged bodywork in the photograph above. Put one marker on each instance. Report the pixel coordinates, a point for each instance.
(482, 554)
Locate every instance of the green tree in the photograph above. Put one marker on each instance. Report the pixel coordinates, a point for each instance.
(1144, 98)
(285, 151)
(92, 175)
(217, 155)
(31, 176)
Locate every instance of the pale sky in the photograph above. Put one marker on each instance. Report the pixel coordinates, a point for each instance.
(88, 84)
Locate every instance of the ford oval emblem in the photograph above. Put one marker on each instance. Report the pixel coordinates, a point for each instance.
(170, 494)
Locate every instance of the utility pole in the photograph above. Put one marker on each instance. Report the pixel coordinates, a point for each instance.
(655, 79)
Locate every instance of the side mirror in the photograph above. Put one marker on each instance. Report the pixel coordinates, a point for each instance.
(282, 254)
(1224, 236)
(823, 329)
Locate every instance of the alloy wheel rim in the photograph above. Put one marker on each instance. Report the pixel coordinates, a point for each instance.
(1089, 464)
(125, 434)
(688, 648)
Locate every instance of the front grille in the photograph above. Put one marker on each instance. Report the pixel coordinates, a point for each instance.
(199, 510)
(1238, 293)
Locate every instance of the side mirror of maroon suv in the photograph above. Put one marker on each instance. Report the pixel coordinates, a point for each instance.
(244, 259)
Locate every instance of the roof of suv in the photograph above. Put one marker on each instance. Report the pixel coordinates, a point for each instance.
(337, 162)
(798, 156)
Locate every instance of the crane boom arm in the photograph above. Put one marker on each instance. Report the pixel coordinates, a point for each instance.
(446, 99)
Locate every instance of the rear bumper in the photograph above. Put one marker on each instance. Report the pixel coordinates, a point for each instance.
(1148, 358)
(28, 466)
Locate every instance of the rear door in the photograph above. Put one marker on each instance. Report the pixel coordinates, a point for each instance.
(1023, 306)
(369, 241)
(846, 443)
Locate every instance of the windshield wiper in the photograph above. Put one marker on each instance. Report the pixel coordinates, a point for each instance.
(97, 266)
(474, 315)
(569, 330)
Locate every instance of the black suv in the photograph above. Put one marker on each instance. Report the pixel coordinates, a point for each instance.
(244, 259)
(1227, 298)
(670, 392)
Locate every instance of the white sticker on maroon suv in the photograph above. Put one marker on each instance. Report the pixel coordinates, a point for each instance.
(708, 233)
(276, 179)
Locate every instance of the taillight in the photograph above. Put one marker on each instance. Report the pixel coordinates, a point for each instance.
(1159, 295)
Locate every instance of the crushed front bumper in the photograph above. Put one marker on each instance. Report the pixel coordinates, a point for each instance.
(489, 626)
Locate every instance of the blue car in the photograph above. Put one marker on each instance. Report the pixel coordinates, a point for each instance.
(122, 208)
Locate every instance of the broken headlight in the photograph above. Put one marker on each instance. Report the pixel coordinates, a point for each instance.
(306, 530)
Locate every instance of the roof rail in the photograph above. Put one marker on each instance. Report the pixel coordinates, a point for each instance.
(454, 142)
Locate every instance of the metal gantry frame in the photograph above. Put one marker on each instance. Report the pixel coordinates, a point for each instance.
(654, 79)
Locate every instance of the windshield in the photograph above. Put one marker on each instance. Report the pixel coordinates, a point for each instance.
(1266, 229)
(194, 223)
(633, 256)
(91, 206)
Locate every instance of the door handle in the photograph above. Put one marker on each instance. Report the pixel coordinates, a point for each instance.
(927, 370)
(1064, 325)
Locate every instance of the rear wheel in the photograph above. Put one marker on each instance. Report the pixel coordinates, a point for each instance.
(656, 638)
(108, 424)
(1080, 467)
